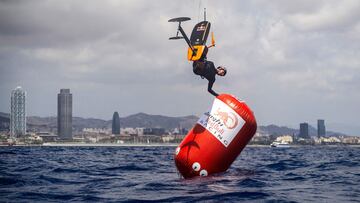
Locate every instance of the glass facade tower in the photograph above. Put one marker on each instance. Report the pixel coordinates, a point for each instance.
(64, 115)
(321, 128)
(304, 130)
(18, 113)
(116, 124)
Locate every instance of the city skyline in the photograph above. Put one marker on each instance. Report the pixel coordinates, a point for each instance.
(65, 99)
(65, 115)
(283, 61)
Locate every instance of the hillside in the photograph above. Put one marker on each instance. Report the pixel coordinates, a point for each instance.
(36, 123)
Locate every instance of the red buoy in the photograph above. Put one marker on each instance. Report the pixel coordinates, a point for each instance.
(217, 138)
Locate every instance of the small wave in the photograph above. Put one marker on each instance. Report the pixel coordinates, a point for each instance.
(23, 169)
(164, 186)
(55, 180)
(283, 165)
(130, 167)
(330, 166)
(344, 182)
(277, 166)
(10, 181)
(7, 153)
(166, 199)
(156, 185)
(346, 163)
(248, 182)
(235, 196)
(65, 170)
(293, 177)
(91, 198)
(45, 196)
(296, 178)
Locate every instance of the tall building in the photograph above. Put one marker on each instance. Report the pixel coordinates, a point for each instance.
(18, 112)
(304, 130)
(116, 124)
(64, 115)
(321, 128)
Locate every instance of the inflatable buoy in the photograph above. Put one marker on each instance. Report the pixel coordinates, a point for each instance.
(217, 138)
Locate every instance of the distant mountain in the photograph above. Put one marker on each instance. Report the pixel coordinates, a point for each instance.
(277, 130)
(36, 123)
(158, 121)
(137, 120)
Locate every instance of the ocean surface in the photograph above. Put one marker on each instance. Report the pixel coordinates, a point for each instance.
(148, 174)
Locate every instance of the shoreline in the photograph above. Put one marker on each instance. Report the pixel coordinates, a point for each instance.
(145, 145)
(93, 145)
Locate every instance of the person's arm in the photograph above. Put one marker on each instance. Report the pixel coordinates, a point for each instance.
(211, 83)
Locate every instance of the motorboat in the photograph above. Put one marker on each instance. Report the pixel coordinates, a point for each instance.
(280, 144)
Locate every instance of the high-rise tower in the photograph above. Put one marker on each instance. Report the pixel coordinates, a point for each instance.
(116, 124)
(321, 128)
(64, 115)
(304, 130)
(18, 112)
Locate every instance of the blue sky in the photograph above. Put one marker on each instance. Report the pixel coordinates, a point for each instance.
(291, 61)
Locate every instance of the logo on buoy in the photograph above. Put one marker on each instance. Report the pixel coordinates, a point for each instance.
(222, 122)
(228, 118)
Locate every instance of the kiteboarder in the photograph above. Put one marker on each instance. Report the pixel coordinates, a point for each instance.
(197, 51)
(206, 69)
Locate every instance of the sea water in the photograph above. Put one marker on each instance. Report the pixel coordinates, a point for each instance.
(148, 174)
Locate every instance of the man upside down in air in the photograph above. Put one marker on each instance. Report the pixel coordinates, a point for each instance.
(206, 69)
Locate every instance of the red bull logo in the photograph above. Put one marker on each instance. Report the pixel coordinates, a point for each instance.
(201, 28)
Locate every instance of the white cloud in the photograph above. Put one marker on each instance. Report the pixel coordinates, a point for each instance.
(332, 15)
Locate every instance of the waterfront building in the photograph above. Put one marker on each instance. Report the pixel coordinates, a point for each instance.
(154, 131)
(47, 136)
(329, 140)
(64, 116)
(304, 131)
(103, 131)
(132, 131)
(321, 128)
(18, 112)
(351, 140)
(116, 124)
(285, 139)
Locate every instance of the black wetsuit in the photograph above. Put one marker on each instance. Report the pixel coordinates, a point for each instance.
(206, 69)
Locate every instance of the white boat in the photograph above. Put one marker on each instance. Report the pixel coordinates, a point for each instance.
(280, 144)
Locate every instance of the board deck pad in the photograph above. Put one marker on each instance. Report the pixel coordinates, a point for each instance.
(200, 33)
(198, 39)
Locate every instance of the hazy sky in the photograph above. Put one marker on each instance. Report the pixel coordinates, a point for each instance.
(291, 61)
